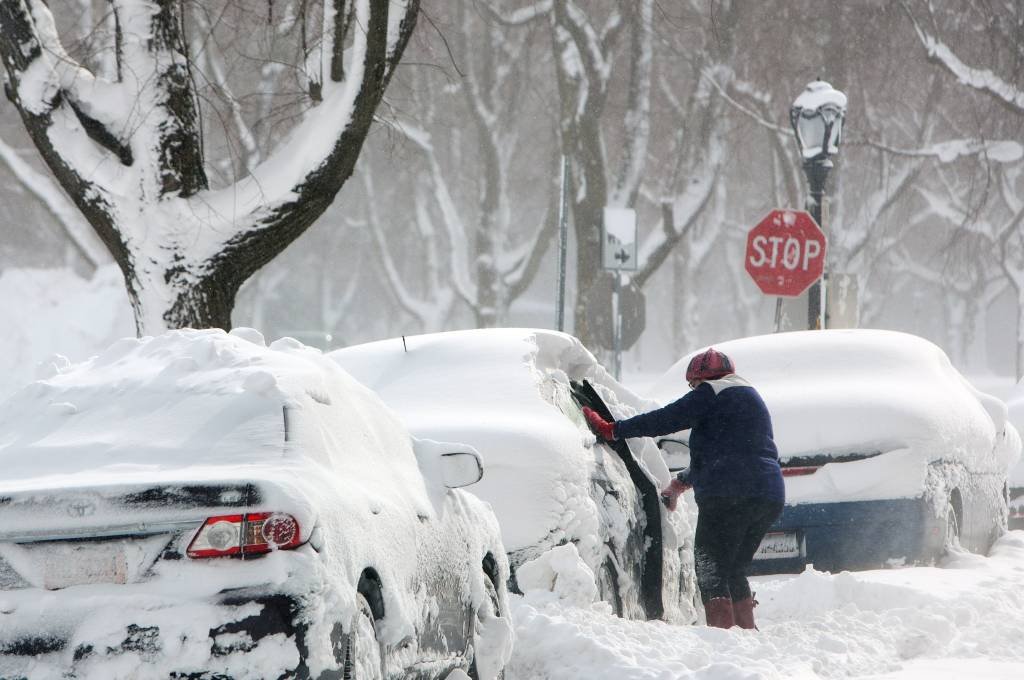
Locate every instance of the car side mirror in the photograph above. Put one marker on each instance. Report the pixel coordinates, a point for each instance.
(676, 453)
(461, 468)
(453, 465)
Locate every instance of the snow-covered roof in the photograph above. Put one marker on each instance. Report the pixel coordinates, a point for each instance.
(845, 391)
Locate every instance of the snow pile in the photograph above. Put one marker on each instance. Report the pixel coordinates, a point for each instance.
(866, 391)
(560, 573)
(51, 311)
(194, 408)
(962, 620)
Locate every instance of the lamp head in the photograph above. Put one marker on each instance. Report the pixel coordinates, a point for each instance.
(817, 117)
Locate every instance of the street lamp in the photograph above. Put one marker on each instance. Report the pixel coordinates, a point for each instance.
(817, 119)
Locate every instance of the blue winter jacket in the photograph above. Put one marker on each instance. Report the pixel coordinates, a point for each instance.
(732, 452)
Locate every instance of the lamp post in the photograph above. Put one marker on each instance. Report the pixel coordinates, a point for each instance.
(817, 119)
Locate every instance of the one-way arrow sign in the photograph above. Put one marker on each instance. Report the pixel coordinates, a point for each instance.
(619, 242)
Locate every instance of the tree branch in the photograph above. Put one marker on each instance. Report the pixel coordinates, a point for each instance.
(983, 80)
(344, 116)
(519, 17)
(78, 231)
(638, 115)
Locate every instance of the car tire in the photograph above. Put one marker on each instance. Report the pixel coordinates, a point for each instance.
(491, 606)
(608, 586)
(364, 659)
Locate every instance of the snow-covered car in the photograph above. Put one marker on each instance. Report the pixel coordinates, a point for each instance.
(200, 505)
(889, 454)
(507, 392)
(1015, 413)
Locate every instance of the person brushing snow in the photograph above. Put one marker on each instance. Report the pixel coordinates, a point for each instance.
(734, 472)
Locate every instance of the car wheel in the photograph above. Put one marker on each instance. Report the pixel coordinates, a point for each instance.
(363, 658)
(490, 607)
(608, 585)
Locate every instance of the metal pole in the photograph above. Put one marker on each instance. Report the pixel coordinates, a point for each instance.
(817, 172)
(778, 314)
(563, 244)
(616, 327)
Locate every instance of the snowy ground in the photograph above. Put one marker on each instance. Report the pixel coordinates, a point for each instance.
(962, 620)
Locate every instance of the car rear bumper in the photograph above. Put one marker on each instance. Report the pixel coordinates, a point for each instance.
(858, 535)
(239, 634)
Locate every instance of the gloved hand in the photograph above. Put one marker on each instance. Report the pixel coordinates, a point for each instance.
(671, 493)
(601, 427)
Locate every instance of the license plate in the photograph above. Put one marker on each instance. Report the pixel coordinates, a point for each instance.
(778, 545)
(62, 566)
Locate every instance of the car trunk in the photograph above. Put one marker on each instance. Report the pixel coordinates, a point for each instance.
(60, 537)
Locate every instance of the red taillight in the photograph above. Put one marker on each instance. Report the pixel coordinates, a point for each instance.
(799, 471)
(251, 534)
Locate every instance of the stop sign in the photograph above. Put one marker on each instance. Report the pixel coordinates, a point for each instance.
(785, 253)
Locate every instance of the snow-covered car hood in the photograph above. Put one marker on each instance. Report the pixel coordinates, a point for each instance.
(865, 391)
(506, 392)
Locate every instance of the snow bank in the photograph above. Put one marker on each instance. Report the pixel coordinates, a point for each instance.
(963, 620)
(560, 572)
(55, 311)
(863, 391)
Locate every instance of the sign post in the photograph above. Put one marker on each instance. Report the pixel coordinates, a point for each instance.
(618, 253)
(785, 254)
(563, 244)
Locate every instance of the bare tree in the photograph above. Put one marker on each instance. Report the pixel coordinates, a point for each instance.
(999, 81)
(129, 149)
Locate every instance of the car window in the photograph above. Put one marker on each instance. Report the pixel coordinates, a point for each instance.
(556, 391)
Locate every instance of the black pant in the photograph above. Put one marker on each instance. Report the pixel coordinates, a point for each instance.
(729, 531)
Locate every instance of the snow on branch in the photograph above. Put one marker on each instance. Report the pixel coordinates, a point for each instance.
(43, 82)
(590, 46)
(527, 259)
(518, 17)
(678, 217)
(67, 215)
(403, 296)
(709, 76)
(308, 168)
(449, 212)
(637, 120)
(982, 80)
(1000, 151)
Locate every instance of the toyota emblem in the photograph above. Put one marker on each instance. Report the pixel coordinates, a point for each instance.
(81, 508)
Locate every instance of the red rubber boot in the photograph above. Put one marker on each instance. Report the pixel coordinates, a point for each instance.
(718, 612)
(743, 613)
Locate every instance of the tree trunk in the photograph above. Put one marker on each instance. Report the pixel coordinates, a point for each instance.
(184, 250)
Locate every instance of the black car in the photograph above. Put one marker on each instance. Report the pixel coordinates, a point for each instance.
(515, 395)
